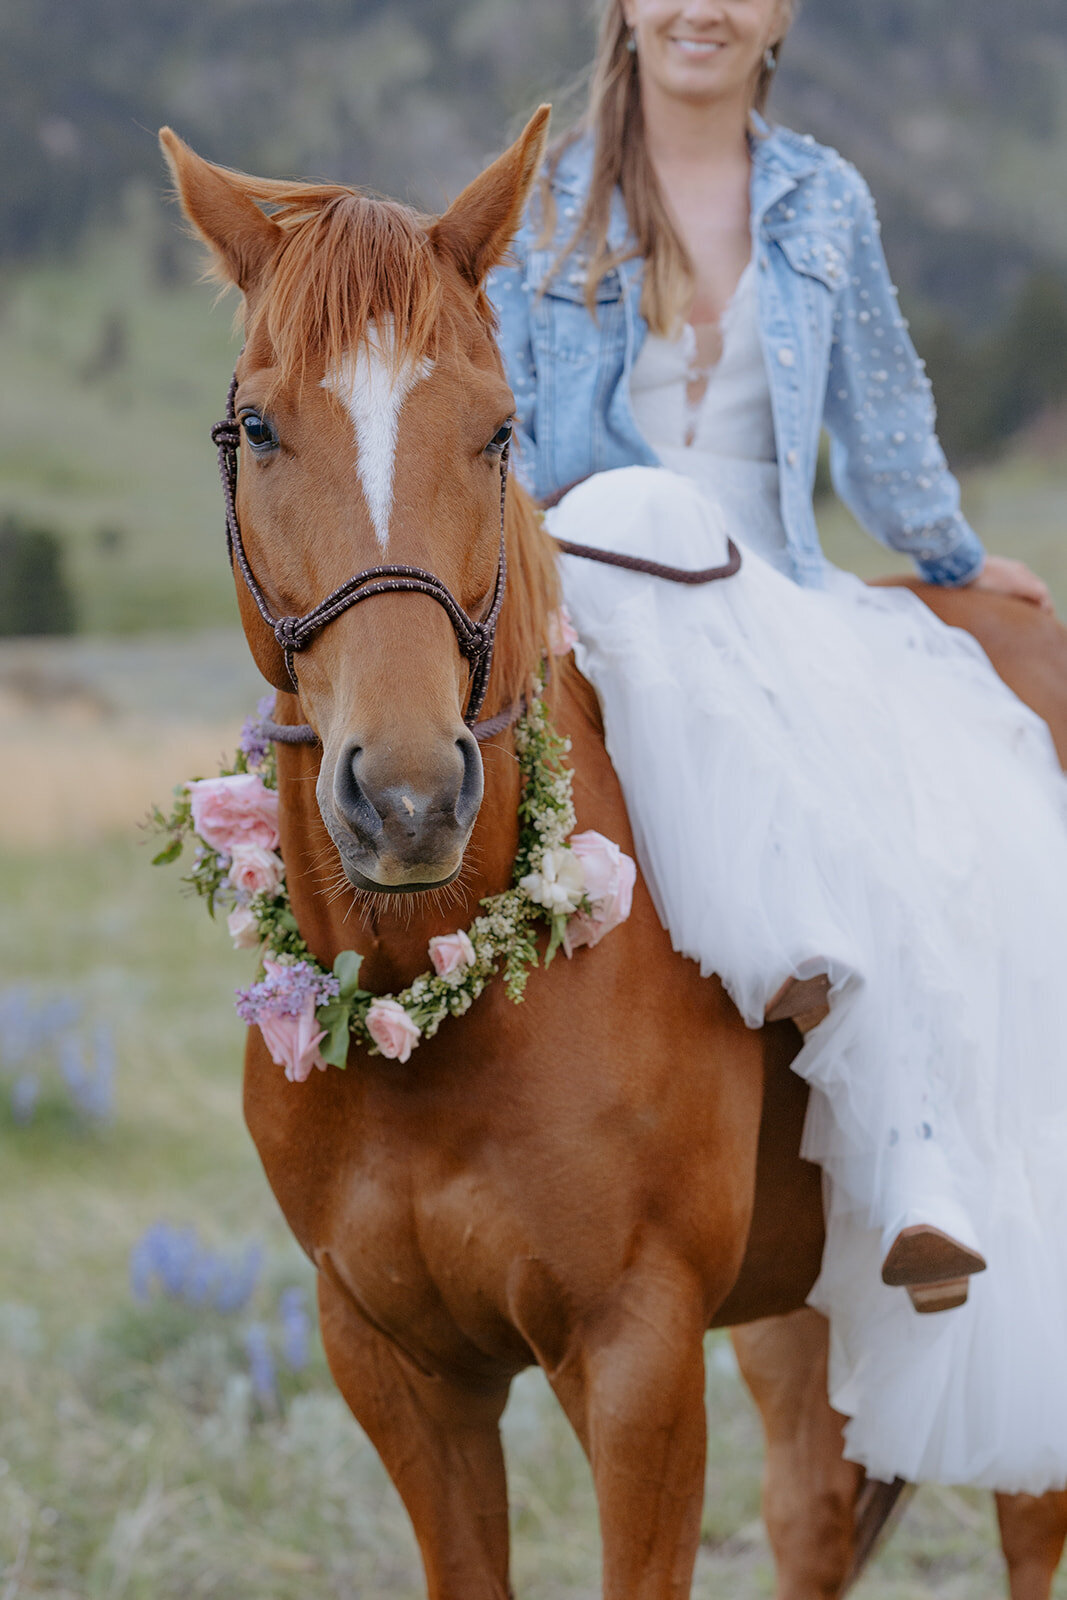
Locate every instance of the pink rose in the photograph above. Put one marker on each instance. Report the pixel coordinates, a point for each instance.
(293, 1041)
(562, 634)
(609, 886)
(239, 810)
(392, 1029)
(255, 870)
(243, 928)
(451, 953)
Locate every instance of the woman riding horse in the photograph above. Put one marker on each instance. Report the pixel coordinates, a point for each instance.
(822, 780)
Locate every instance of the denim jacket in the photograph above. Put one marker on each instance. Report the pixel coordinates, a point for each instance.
(835, 345)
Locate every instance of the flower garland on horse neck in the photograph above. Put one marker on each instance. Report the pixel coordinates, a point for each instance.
(580, 884)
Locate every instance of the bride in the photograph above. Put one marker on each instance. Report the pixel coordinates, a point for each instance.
(825, 783)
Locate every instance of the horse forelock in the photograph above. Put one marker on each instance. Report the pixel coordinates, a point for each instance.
(347, 266)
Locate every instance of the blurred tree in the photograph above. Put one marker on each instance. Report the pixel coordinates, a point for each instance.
(35, 593)
(988, 388)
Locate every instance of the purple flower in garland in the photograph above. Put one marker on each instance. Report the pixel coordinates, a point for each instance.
(283, 1006)
(255, 744)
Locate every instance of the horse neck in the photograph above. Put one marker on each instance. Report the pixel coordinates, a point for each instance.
(392, 932)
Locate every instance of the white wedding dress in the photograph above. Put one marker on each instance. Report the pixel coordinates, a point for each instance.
(835, 781)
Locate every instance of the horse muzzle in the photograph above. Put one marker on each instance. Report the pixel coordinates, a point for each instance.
(402, 827)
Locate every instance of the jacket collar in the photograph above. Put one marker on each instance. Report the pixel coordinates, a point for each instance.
(780, 159)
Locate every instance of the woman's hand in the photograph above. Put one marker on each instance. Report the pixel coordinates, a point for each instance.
(1004, 576)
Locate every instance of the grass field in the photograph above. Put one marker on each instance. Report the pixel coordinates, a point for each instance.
(138, 1461)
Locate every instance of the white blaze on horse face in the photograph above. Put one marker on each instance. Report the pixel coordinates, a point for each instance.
(373, 394)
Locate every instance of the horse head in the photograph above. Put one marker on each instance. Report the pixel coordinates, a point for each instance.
(374, 415)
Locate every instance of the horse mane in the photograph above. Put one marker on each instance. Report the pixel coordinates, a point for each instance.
(346, 261)
(532, 594)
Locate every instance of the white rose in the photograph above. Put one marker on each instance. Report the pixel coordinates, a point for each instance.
(560, 883)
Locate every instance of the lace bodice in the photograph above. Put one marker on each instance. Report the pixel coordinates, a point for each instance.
(729, 414)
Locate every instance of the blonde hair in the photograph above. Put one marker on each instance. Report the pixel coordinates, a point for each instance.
(613, 118)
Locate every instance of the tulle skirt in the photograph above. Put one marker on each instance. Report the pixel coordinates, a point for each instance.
(835, 781)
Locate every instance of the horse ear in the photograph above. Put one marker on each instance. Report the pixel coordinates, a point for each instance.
(477, 228)
(241, 238)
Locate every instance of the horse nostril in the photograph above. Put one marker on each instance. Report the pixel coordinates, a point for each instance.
(470, 790)
(352, 801)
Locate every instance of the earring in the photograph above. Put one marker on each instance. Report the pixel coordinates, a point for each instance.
(770, 60)
(631, 42)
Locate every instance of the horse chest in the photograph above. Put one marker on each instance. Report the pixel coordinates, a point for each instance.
(425, 1258)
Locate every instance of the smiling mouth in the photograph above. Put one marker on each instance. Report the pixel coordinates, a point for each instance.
(698, 47)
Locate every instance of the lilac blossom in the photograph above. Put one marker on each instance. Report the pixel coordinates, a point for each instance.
(254, 741)
(285, 991)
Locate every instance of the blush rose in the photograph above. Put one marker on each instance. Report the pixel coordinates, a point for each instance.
(451, 953)
(562, 634)
(233, 811)
(609, 877)
(243, 928)
(293, 1041)
(254, 870)
(392, 1029)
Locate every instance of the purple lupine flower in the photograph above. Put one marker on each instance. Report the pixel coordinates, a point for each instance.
(239, 1283)
(27, 1028)
(261, 1364)
(176, 1250)
(142, 1268)
(296, 1329)
(285, 991)
(16, 1026)
(24, 1096)
(254, 741)
(187, 1270)
(202, 1277)
(72, 1066)
(100, 1101)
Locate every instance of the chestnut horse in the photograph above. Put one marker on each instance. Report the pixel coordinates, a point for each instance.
(589, 1180)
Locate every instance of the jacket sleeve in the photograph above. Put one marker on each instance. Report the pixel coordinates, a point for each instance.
(885, 459)
(510, 294)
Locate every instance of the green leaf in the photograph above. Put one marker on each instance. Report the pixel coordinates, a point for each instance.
(336, 1019)
(170, 852)
(346, 971)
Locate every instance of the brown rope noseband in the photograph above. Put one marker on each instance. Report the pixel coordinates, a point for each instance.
(475, 639)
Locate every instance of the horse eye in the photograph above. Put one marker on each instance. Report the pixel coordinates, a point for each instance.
(500, 438)
(258, 431)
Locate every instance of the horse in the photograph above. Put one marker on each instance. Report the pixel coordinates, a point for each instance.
(587, 1181)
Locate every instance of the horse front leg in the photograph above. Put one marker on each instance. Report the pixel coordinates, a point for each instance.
(809, 1490)
(632, 1384)
(1033, 1529)
(440, 1443)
